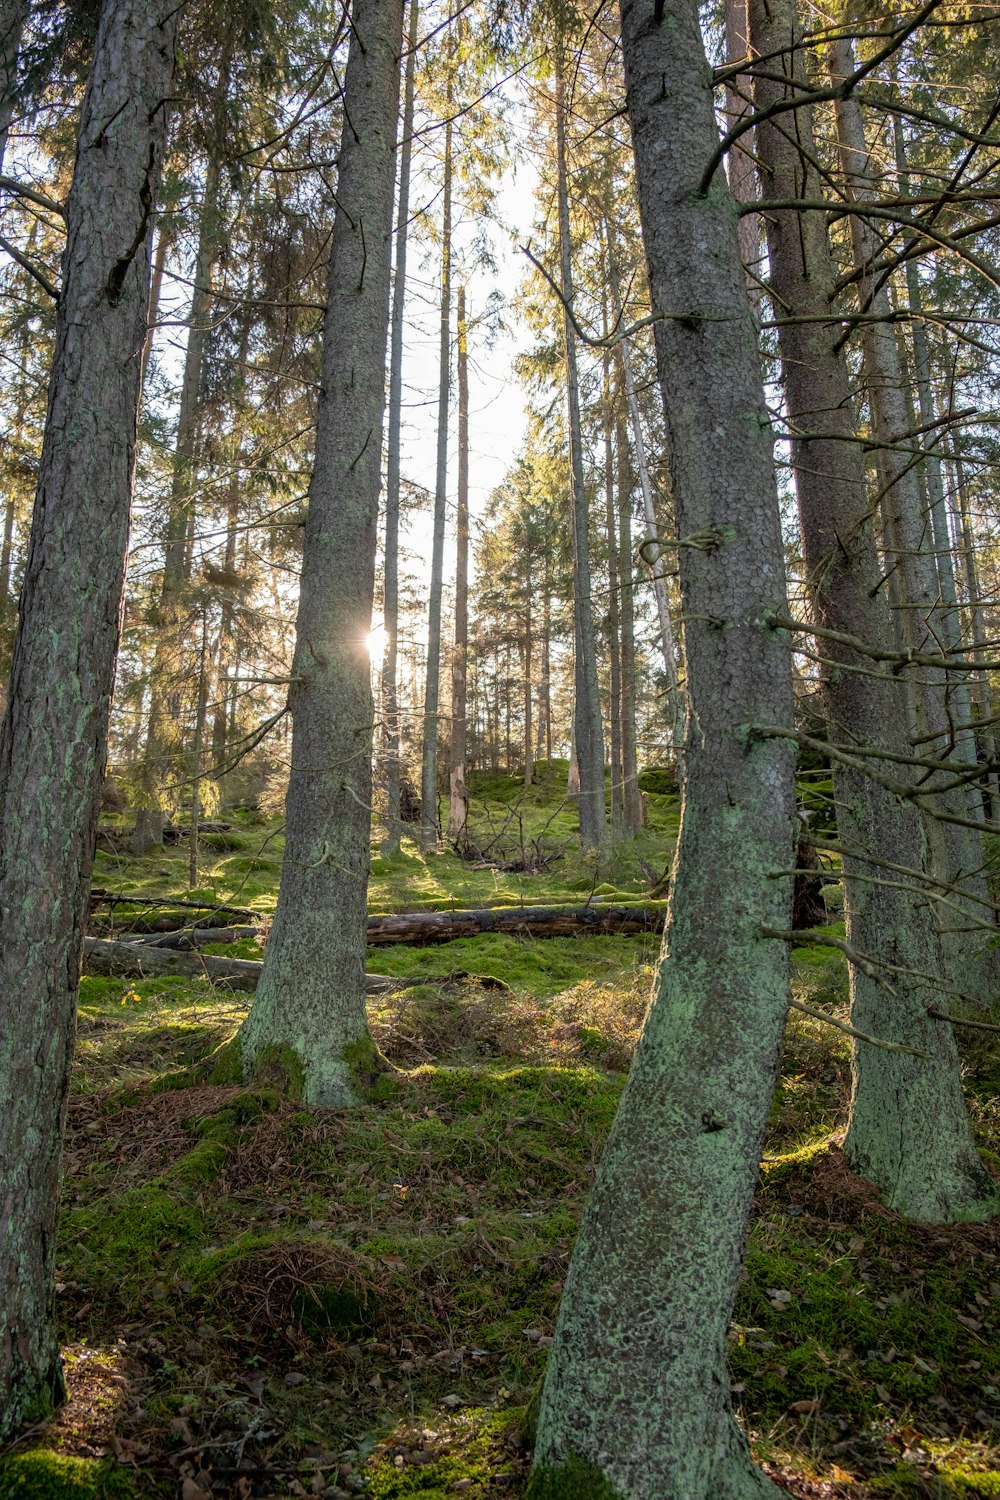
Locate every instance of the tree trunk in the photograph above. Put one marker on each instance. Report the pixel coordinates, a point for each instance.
(956, 854)
(53, 741)
(428, 778)
(13, 15)
(311, 997)
(739, 161)
(636, 1396)
(459, 803)
(390, 609)
(626, 564)
(589, 731)
(652, 554)
(163, 242)
(614, 611)
(908, 1131)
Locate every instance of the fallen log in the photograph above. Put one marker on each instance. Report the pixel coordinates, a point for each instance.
(422, 928)
(143, 960)
(524, 921)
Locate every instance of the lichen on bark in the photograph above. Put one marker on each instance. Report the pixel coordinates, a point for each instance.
(53, 742)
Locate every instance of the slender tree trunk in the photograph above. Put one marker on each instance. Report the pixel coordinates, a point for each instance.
(630, 758)
(651, 552)
(529, 664)
(976, 618)
(956, 854)
(390, 613)
(636, 1397)
(428, 779)
(53, 741)
(166, 674)
(589, 731)
(164, 240)
(545, 686)
(739, 162)
(908, 1130)
(14, 443)
(13, 15)
(199, 742)
(308, 1020)
(614, 612)
(459, 804)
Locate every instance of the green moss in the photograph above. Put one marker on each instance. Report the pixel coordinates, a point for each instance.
(41, 1475)
(281, 1067)
(226, 1063)
(364, 1062)
(474, 1453)
(116, 1252)
(569, 1481)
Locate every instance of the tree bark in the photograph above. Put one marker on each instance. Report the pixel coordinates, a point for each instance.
(432, 688)
(311, 997)
(53, 742)
(459, 804)
(589, 731)
(956, 854)
(390, 595)
(636, 1396)
(908, 1130)
(626, 564)
(13, 16)
(651, 551)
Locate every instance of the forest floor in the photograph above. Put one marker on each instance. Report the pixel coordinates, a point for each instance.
(262, 1299)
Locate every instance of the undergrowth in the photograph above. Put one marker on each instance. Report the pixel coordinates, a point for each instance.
(260, 1298)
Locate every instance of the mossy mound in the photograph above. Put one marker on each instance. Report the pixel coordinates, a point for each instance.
(41, 1475)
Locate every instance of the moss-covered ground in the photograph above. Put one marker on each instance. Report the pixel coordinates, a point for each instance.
(258, 1298)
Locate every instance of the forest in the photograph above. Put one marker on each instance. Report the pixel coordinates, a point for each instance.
(499, 772)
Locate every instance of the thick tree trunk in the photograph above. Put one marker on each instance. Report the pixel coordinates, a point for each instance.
(589, 731)
(310, 1000)
(390, 594)
(908, 1131)
(459, 797)
(53, 741)
(432, 687)
(636, 1397)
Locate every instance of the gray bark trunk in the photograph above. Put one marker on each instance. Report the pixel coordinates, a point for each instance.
(432, 688)
(311, 997)
(637, 1393)
(626, 564)
(13, 15)
(588, 729)
(459, 799)
(908, 1130)
(668, 640)
(614, 612)
(390, 610)
(53, 741)
(956, 853)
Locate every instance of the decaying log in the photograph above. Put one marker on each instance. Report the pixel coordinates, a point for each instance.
(526, 921)
(142, 960)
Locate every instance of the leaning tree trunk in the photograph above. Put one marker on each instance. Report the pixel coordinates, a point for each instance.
(308, 1021)
(636, 1398)
(53, 741)
(390, 572)
(588, 729)
(908, 1130)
